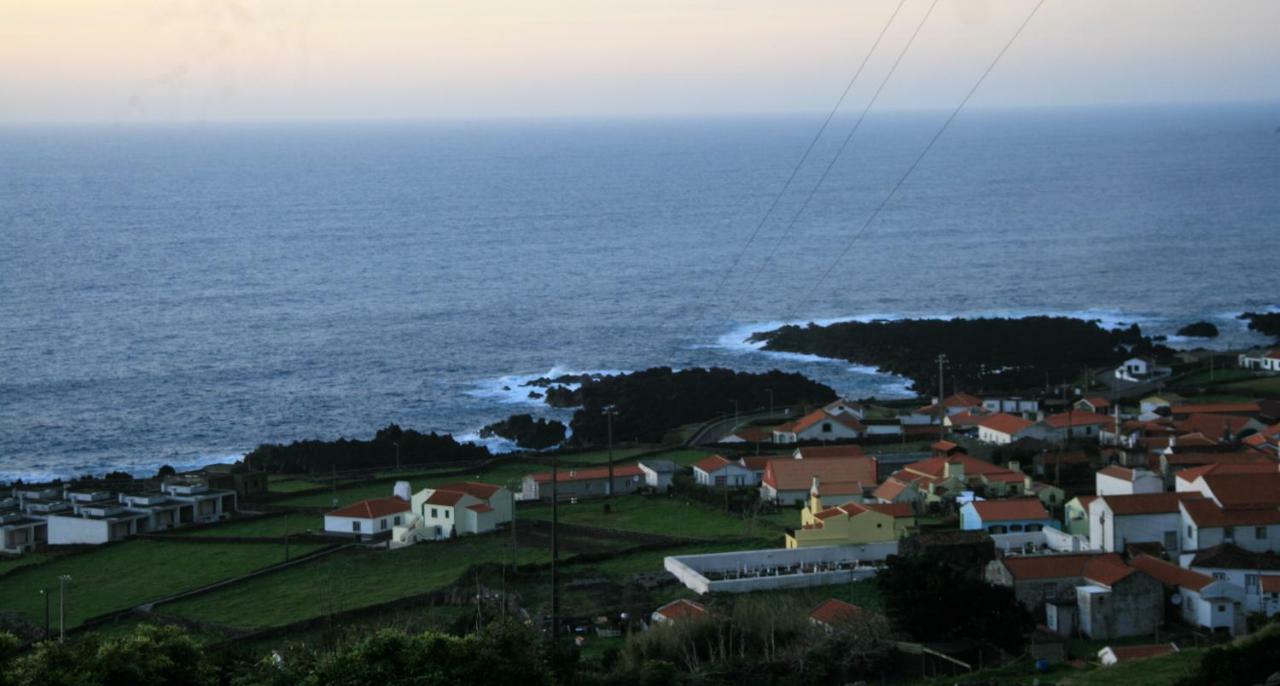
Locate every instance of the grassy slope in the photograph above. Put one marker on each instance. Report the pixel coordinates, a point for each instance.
(268, 527)
(8, 562)
(121, 576)
(659, 515)
(343, 581)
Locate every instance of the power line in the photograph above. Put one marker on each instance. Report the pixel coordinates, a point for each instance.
(782, 237)
(929, 146)
(724, 277)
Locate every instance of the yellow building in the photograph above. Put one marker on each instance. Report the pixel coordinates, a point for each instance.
(850, 523)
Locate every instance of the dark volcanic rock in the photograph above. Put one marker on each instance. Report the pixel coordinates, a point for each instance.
(1199, 330)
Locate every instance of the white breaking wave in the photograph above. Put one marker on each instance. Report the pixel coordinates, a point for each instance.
(511, 389)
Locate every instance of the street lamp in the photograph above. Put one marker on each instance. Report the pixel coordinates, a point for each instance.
(62, 606)
(609, 411)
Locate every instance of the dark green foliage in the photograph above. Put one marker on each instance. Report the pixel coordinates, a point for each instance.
(930, 600)
(527, 432)
(502, 653)
(1199, 330)
(153, 655)
(165, 470)
(981, 353)
(1249, 661)
(650, 403)
(343, 454)
(1264, 322)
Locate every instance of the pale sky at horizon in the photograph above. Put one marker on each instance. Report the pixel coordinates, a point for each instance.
(204, 60)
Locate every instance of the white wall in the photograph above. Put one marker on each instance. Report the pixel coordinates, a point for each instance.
(1110, 533)
(987, 435)
(68, 530)
(342, 525)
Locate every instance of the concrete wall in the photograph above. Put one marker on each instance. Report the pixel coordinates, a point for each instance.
(1134, 607)
(1111, 533)
(691, 570)
(68, 530)
(1051, 539)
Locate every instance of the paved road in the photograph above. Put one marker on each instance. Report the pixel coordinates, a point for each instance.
(712, 432)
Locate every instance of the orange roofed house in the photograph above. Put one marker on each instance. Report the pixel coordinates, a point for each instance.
(464, 507)
(945, 476)
(788, 481)
(820, 425)
(583, 483)
(852, 523)
(368, 517)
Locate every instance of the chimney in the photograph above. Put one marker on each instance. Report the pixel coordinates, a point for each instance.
(815, 499)
(954, 469)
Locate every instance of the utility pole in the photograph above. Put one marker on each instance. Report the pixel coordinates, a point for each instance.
(62, 607)
(942, 410)
(397, 445)
(608, 414)
(770, 392)
(555, 548)
(45, 592)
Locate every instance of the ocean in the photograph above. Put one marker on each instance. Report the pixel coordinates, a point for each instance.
(179, 293)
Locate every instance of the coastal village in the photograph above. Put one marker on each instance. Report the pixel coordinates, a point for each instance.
(1134, 517)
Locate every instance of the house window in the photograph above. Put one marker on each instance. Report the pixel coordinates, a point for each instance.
(721, 480)
(355, 526)
(446, 514)
(382, 525)
(1191, 532)
(1220, 576)
(1229, 533)
(434, 514)
(826, 427)
(1171, 540)
(397, 522)
(1222, 608)
(1260, 532)
(1251, 583)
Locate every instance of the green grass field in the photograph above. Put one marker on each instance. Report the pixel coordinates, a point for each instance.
(1268, 387)
(119, 576)
(346, 580)
(657, 515)
(8, 562)
(292, 485)
(273, 527)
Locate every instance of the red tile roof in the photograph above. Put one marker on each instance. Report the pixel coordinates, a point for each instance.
(754, 434)
(1214, 425)
(473, 488)
(1097, 401)
(446, 498)
(1206, 513)
(1010, 510)
(1004, 423)
(890, 489)
(1086, 500)
(834, 612)
(1192, 474)
(1145, 503)
(570, 475)
(1117, 472)
(712, 463)
(757, 463)
(943, 446)
(1107, 570)
(372, 508)
(1192, 459)
(1238, 491)
(1031, 567)
(895, 510)
(835, 475)
(816, 416)
(1271, 583)
(812, 451)
(1170, 574)
(936, 466)
(1065, 419)
(682, 609)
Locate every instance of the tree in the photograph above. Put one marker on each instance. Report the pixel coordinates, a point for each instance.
(164, 656)
(933, 601)
(165, 470)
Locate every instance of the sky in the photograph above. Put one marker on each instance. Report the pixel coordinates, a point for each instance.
(211, 60)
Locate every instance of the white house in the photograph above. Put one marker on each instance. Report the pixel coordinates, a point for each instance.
(1001, 429)
(368, 517)
(1202, 600)
(1241, 509)
(455, 509)
(1254, 572)
(820, 425)
(20, 532)
(1118, 520)
(1261, 360)
(719, 471)
(678, 610)
(1148, 406)
(1141, 369)
(1015, 406)
(841, 406)
(1116, 480)
(1069, 426)
(657, 473)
